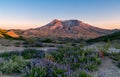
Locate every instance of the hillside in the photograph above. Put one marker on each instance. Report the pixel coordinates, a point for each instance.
(113, 36)
(66, 28)
(8, 34)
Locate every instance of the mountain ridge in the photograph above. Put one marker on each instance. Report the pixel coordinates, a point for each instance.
(67, 28)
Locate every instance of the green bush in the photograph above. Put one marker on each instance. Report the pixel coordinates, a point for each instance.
(105, 48)
(80, 74)
(83, 74)
(35, 72)
(54, 71)
(27, 54)
(47, 40)
(9, 54)
(13, 65)
(76, 57)
(33, 53)
(44, 71)
(91, 67)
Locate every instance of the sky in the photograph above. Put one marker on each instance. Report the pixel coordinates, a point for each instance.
(25, 14)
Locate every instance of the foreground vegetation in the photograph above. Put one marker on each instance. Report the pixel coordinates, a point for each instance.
(70, 60)
(26, 54)
(77, 57)
(60, 63)
(12, 65)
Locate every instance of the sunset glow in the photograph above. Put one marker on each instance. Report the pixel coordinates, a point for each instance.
(24, 14)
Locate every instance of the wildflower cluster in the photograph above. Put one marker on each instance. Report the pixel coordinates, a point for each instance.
(77, 57)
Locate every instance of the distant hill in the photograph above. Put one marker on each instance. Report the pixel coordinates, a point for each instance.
(66, 28)
(8, 34)
(113, 36)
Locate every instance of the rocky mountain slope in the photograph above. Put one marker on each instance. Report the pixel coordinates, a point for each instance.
(66, 28)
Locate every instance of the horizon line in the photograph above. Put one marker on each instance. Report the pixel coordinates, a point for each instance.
(33, 26)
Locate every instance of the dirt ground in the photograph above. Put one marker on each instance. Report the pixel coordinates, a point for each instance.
(107, 69)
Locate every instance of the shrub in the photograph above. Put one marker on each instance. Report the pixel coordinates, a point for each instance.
(83, 74)
(9, 54)
(32, 53)
(13, 65)
(54, 71)
(32, 43)
(104, 48)
(35, 72)
(91, 67)
(80, 74)
(47, 40)
(77, 58)
(38, 44)
(44, 71)
(27, 54)
(49, 57)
